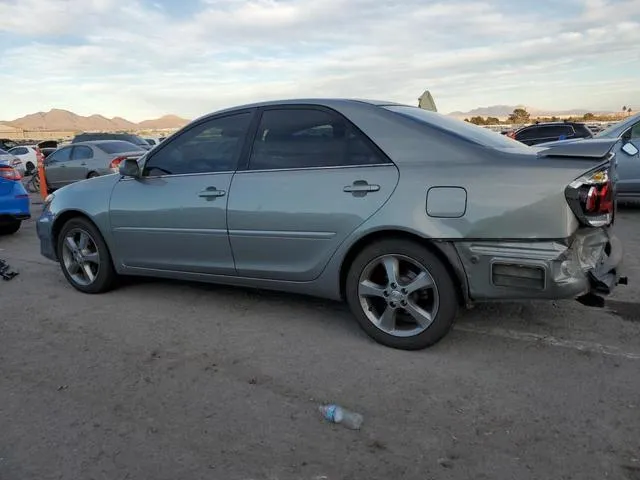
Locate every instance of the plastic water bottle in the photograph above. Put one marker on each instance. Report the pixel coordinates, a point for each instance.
(337, 414)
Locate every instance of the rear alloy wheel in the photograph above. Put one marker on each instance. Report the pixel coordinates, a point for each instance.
(30, 169)
(84, 257)
(401, 294)
(10, 228)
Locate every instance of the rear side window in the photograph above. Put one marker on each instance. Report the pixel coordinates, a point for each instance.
(557, 131)
(309, 138)
(81, 153)
(118, 147)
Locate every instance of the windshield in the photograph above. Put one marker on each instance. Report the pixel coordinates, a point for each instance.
(118, 147)
(468, 131)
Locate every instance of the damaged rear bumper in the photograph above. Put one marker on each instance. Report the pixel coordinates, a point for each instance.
(587, 264)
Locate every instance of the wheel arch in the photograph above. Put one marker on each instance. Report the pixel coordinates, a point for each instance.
(445, 251)
(63, 218)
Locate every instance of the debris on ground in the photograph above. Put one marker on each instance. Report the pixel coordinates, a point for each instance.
(337, 414)
(5, 271)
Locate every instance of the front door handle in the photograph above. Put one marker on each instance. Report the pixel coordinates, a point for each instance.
(212, 192)
(360, 188)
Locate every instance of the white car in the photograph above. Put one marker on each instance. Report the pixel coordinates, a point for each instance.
(27, 156)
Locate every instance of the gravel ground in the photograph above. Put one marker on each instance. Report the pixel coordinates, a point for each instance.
(166, 380)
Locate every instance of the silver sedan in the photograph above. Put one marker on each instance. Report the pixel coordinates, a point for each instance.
(404, 213)
(83, 160)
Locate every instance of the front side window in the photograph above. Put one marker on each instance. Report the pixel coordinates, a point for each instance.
(62, 155)
(634, 132)
(212, 146)
(81, 153)
(309, 138)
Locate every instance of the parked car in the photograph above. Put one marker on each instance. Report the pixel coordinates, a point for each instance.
(7, 144)
(84, 160)
(549, 132)
(125, 137)
(14, 200)
(406, 214)
(12, 160)
(626, 154)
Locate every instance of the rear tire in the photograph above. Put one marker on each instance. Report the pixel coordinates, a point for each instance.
(30, 169)
(401, 294)
(10, 228)
(92, 175)
(84, 257)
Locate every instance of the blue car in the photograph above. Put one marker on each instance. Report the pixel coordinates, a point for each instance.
(14, 200)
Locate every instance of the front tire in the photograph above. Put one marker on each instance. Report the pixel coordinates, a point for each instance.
(84, 257)
(10, 228)
(401, 294)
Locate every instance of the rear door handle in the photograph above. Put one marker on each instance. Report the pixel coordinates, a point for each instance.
(211, 192)
(360, 188)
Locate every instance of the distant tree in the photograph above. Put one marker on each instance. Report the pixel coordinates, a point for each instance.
(477, 120)
(466, 120)
(624, 109)
(629, 111)
(555, 119)
(492, 121)
(588, 116)
(520, 115)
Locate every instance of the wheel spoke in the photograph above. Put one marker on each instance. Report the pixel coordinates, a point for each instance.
(369, 289)
(71, 244)
(387, 320)
(84, 241)
(421, 316)
(391, 266)
(73, 268)
(423, 280)
(92, 257)
(88, 272)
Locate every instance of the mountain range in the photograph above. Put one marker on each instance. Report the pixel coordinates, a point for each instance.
(63, 120)
(503, 111)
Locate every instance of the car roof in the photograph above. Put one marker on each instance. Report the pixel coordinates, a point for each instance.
(95, 142)
(320, 102)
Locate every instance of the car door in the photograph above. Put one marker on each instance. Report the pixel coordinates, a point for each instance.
(628, 166)
(173, 218)
(56, 167)
(311, 179)
(78, 165)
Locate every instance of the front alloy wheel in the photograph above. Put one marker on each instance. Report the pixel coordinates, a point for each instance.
(80, 257)
(84, 257)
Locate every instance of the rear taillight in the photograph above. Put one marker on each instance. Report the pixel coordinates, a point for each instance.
(591, 197)
(10, 173)
(115, 163)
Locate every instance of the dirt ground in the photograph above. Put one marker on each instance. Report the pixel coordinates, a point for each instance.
(165, 380)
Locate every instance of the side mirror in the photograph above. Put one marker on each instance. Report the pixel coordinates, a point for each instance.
(630, 149)
(129, 168)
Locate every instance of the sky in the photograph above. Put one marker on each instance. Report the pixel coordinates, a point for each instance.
(141, 59)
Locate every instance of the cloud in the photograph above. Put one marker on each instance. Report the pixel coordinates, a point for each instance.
(141, 59)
